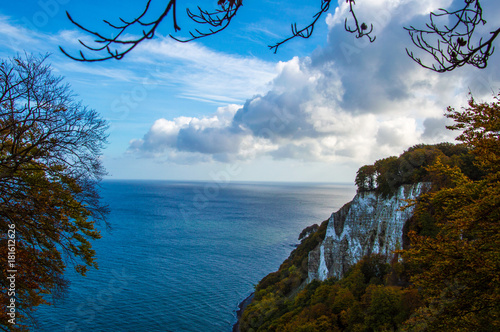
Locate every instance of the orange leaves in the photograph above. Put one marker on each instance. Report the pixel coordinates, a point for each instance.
(454, 269)
(49, 161)
(480, 123)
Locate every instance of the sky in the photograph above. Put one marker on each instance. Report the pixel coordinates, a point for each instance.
(226, 108)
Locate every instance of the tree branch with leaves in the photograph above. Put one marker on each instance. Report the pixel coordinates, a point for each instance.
(50, 167)
(458, 270)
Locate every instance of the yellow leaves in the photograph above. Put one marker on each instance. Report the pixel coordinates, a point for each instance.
(82, 269)
(480, 123)
(455, 269)
(49, 158)
(460, 260)
(445, 176)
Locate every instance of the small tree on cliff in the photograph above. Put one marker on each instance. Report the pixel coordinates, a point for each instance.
(366, 177)
(50, 165)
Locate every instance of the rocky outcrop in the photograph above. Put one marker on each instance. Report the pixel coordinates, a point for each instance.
(369, 224)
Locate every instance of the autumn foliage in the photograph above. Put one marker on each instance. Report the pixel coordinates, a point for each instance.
(458, 271)
(447, 276)
(49, 169)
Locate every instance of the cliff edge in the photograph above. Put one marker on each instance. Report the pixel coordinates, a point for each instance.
(369, 224)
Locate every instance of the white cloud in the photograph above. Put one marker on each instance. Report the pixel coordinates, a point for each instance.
(381, 12)
(206, 74)
(192, 138)
(15, 37)
(195, 71)
(350, 101)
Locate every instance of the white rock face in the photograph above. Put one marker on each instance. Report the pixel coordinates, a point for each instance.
(368, 224)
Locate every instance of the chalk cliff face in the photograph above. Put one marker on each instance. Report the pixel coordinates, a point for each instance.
(368, 224)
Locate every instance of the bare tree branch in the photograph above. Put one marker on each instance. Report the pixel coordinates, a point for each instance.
(307, 31)
(109, 45)
(452, 45)
(218, 19)
(360, 30)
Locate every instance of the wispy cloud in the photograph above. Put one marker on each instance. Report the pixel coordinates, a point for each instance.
(350, 101)
(196, 71)
(15, 37)
(204, 73)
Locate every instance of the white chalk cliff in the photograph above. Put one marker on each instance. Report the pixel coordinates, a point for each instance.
(368, 224)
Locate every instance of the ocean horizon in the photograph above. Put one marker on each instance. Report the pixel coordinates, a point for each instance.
(181, 255)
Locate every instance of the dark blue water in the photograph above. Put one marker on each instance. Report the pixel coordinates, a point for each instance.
(181, 256)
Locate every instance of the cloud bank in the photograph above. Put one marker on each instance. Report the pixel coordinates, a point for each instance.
(349, 101)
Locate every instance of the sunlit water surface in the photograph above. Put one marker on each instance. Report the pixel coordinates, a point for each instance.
(181, 256)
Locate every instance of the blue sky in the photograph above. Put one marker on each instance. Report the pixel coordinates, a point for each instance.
(226, 106)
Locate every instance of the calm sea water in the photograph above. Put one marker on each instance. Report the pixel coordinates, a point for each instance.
(181, 256)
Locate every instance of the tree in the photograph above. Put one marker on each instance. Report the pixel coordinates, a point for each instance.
(458, 270)
(365, 178)
(50, 167)
(450, 38)
(383, 307)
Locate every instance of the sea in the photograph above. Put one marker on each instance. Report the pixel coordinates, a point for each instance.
(181, 256)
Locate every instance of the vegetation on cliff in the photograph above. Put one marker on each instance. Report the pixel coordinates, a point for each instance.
(458, 270)
(370, 297)
(448, 275)
(387, 174)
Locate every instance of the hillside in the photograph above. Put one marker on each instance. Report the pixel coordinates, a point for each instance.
(351, 272)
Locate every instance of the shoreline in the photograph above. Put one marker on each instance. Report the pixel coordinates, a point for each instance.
(241, 308)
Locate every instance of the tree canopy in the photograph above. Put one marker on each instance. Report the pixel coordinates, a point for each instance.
(387, 174)
(451, 37)
(458, 270)
(50, 167)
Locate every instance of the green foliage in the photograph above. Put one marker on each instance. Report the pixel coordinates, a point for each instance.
(365, 178)
(387, 174)
(383, 305)
(308, 231)
(374, 269)
(362, 301)
(293, 271)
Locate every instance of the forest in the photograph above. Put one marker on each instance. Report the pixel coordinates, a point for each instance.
(446, 276)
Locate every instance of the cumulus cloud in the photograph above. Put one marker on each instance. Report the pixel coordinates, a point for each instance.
(435, 130)
(349, 101)
(208, 135)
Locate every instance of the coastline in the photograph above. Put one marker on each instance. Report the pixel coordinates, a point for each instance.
(241, 308)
